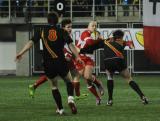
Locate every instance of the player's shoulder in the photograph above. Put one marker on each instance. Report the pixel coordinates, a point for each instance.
(85, 33)
(48, 26)
(59, 30)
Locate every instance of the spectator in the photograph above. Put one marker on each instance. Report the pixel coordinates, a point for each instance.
(40, 8)
(35, 9)
(17, 8)
(4, 8)
(77, 9)
(1, 7)
(125, 7)
(89, 4)
(27, 10)
(13, 8)
(99, 8)
(136, 3)
(111, 7)
(45, 7)
(67, 9)
(80, 7)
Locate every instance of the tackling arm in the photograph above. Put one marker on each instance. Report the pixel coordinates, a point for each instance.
(130, 44)
(91, 48)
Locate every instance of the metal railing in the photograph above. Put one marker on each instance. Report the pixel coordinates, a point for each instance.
(40, 8)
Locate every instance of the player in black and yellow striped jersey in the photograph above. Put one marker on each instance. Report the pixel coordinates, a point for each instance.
(114, 61)
(54, 39)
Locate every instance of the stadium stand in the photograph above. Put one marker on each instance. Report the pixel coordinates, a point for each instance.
(101, 10)
(16, 18)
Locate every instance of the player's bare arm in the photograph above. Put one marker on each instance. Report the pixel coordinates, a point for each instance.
(24, 50)
(74, 50)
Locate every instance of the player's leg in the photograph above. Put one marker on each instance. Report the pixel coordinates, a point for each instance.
(125, 73)
(76, 82)
(77, 73)
(63, 71)
(51, 71)
(98, 83)
(76, 85)
(32, 87)
(91, 87)
(110, 86)
(40, 81)
(57, 96)
(110, 69)
(70, 92)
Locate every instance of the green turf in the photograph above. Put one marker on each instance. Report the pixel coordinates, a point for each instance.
(16, 105)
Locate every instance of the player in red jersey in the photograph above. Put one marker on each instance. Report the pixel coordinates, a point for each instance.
(67, 25)
(86, 69)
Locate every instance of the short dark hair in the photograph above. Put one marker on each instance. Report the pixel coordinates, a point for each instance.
(118, 34)
(65, 22)
(53, 18)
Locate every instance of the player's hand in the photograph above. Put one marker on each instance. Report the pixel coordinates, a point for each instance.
(130, 44)
(18, 57)
(78, 59)
(68, 59)
(101, 37)
(78, 50)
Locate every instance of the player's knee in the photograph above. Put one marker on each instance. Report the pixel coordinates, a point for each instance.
(69, 85)
(87, 76)
(109, 77)
(89, 82)
(54, 84)
(54, 87)
(67, 81)
(128, 78)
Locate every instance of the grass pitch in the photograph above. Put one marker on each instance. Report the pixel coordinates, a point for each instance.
(16, 105)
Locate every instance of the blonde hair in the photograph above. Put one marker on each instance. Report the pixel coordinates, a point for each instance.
(91, 22)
